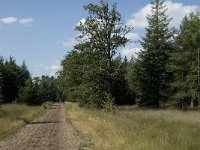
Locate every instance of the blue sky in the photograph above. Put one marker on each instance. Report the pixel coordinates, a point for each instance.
(41, 32)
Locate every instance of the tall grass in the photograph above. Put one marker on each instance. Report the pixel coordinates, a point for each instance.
(14, 116)
(138, 129)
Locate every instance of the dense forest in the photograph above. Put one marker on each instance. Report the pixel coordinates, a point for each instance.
(165, 73)
(16, 85)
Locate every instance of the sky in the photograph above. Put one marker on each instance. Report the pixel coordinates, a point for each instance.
(41, 32)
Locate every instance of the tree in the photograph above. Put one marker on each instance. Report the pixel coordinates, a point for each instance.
(24, 74)
(152, 74)
(29, 93)
(184, 63)
(71, 75)
(10, 80)
(14, 78)
(1, 79)
(122, 93)
(104, 30)
(39, 90)
(131, 78)
(1, 89)
(102, 34)
(48, 89)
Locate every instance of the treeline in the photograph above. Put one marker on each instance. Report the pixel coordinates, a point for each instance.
(16, 85)
(39, 90)
(12, 78)
(165, 73)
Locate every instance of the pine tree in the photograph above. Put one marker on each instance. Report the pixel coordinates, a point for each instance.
(152, 74)
(184, 63)
(1, 79)
(1, 89)
(23, 75)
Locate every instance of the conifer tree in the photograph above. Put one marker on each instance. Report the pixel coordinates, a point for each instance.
(1, 79)
(152, 74)
(1, 89)
(184, 63)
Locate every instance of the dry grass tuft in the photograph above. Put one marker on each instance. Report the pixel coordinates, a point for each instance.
(14, 116)
(138, 129)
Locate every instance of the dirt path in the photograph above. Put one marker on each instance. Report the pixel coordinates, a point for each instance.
(50, 132)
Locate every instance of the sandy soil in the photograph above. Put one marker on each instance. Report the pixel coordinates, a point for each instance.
(50, 132)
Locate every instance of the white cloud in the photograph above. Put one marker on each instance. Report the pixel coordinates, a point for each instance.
(130, 51)
(81, 21)
(70, 42)
(40, 66)
(26, 21)
(133, 36)
(51, 69)
(22, 21)
(175, 10)
(138, 19)
(9, 20)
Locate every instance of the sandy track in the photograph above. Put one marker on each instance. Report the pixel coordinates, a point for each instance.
(50, 132)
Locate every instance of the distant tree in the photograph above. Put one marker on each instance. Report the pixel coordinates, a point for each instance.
(1, 79)
(131, 78)
(39, 90)
(24, 74)
(29, 93)
(1, 89)
(121, 92)
(10, 80)
(48, 89)
(14, 77)
(152, 73)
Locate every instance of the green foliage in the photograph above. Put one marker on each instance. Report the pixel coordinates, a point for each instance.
(1, 89)
(13, 77)
(166, 72)
(151, 71)
(38, 90)
(84, 78)
(1, 80)
(131, 78)
(16, 84)
(103, 29)
(29, 93)
(90, 72)
(184, 63)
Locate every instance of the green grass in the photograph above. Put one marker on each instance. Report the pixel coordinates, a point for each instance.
(14, 116)
(137, 129)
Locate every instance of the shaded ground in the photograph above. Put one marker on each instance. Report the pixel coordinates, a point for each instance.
(50, 132)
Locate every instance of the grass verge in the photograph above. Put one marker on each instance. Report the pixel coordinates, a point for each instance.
(137, 129)
(14, 116)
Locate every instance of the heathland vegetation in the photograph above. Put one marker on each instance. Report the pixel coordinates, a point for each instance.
(14, 116)
(132, 129)
(165, 75)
